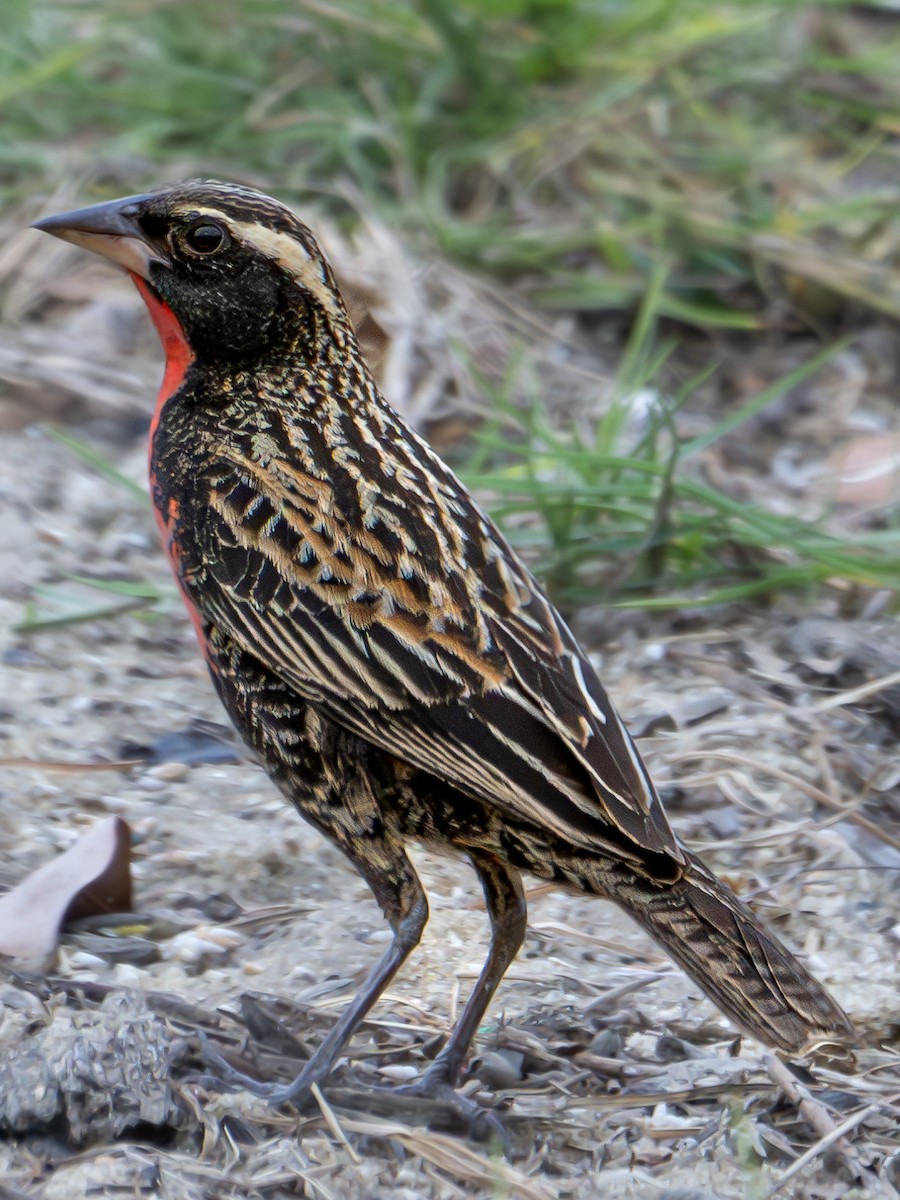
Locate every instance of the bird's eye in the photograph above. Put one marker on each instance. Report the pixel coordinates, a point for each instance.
(205, 238)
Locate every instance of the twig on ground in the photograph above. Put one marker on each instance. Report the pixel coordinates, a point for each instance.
(822, 1122)
(814, 793)
(332, 1122)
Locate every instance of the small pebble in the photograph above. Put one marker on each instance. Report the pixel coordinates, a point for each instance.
(148, 784)
(374, 936)
(81, 960)
(399, 1072)
(127, 975)
(194, 944)
(21, 656)
(607, 1043)
(500, 1069)
(170, 772)
(674, 1049)
(115, 804)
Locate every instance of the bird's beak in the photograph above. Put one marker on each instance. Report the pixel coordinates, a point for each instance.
(110, 229)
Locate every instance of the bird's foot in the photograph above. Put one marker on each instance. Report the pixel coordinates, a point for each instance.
(298, 1092)
(430, 1101)
(464, 1115)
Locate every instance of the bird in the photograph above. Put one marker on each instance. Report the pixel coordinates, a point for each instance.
(378, 643)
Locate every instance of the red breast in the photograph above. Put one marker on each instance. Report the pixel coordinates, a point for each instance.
(179, 357)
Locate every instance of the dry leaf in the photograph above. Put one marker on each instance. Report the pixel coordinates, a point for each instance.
(866, 471)
(93, 876)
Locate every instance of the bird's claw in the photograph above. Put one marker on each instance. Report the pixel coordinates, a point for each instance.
(479, 1123)
(233, 1080)
(429, 1101)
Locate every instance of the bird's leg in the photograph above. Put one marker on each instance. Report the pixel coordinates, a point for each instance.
(439, 1105)
(324, 772)
(508, 913)
(402, 899)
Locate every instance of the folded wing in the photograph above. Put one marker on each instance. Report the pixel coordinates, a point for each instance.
(417, 628)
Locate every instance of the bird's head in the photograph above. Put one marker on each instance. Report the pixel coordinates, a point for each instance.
(238, 272)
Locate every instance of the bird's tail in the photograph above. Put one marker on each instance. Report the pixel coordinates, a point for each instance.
(744, 969)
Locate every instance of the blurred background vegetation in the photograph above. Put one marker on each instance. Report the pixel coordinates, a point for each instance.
(701, 199)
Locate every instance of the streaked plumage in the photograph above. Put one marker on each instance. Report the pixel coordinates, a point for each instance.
(375, 638)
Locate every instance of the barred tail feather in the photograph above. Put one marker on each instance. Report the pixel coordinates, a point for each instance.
(744, 969)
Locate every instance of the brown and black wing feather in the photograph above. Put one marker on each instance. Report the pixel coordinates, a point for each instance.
(403, 614)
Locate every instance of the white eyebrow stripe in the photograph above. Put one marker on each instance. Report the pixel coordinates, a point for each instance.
(282, 248)
(198, 210)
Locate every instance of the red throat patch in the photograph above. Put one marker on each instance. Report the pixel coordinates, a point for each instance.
(179, 355)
